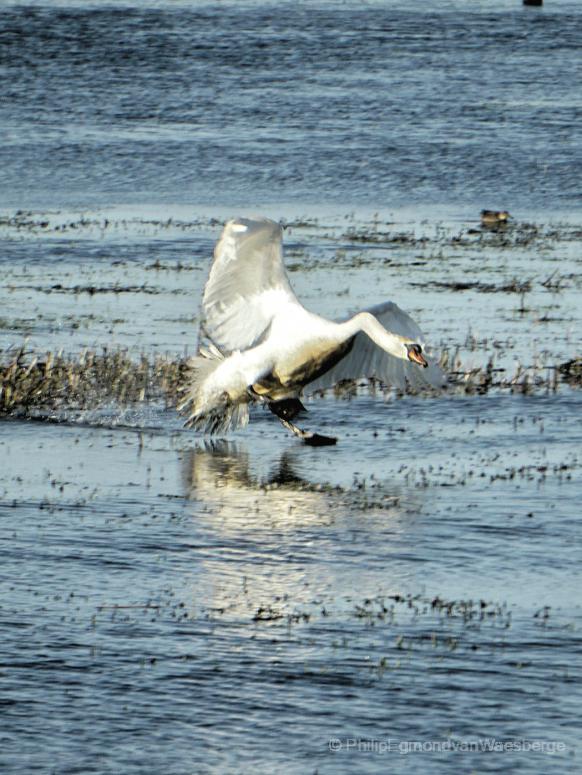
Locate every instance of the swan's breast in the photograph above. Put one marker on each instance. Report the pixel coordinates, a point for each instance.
(305, 364)
(317, 362)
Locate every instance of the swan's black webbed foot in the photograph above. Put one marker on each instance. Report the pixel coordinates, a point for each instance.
(317, 440)
(311, 439)
(287, 408)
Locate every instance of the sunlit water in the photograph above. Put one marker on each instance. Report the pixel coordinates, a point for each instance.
(261, 615)
(171, 605)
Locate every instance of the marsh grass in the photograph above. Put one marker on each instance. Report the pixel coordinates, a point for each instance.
(32, 382)
(52, 381)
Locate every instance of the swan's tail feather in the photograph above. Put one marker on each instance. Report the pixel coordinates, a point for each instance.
(222, 418)
(214, 413)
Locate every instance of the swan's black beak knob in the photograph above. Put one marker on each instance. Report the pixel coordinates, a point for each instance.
(415, 354)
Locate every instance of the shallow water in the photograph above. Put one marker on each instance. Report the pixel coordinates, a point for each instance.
(179, 605)
(171, 604)
(197, 607)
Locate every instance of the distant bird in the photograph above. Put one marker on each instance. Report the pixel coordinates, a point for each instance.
(533, 2)
(494, 217)
(572, 370)
(259, 344)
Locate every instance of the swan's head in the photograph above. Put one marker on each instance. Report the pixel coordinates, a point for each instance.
(414, 354)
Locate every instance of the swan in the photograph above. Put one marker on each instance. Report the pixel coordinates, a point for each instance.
(258, 343)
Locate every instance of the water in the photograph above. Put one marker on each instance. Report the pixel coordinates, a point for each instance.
(249, 103)
(174, 605)
(261, 616)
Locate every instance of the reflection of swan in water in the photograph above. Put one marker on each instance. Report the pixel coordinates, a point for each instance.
(227, 462)
(220, 474)
(224, 476)
(270, 538)
(250, 521)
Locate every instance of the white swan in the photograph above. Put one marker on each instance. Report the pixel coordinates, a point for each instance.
(258, 342)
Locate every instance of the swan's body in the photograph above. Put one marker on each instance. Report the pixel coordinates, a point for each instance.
(259, 343)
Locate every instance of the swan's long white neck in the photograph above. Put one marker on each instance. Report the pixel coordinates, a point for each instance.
(366, 322)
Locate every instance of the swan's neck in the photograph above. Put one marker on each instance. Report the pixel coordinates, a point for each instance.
(366, 322)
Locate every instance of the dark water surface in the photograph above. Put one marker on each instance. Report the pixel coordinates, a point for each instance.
(408, 601)
(242, 103)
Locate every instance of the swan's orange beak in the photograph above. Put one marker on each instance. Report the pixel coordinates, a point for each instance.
(415, 354)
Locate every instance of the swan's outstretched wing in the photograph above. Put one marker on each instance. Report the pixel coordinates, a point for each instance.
(247, 285)
(366, 359)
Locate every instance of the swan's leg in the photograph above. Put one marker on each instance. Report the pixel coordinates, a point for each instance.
(287, 408)
(312, 439)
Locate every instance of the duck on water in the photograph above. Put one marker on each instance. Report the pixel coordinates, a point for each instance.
(258, 343)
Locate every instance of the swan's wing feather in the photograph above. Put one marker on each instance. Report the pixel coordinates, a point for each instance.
(366, 359)
(247, 284)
